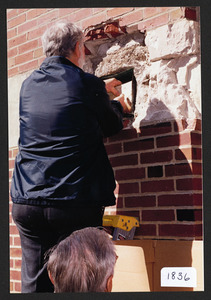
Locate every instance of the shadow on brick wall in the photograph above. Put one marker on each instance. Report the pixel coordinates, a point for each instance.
(158, 174)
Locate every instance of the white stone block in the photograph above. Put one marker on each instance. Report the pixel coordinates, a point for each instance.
(173, 40)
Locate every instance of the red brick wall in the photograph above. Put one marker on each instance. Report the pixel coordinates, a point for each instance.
(159, 176)
(25, 27)
(158, 171)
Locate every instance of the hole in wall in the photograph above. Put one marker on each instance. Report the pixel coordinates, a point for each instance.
(120, 52)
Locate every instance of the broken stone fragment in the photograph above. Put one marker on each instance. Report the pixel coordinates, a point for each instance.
(173, 40)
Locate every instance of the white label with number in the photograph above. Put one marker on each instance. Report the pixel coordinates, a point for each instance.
(178, 277)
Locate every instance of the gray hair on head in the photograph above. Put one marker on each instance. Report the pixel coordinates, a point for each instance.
(82, 262)
(61, 38)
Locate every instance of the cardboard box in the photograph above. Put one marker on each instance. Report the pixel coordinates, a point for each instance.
(139, 264)
(130, 273)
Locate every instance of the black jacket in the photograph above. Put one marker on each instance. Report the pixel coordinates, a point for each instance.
(64, 115)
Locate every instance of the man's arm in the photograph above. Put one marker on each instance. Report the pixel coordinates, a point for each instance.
(108, 112)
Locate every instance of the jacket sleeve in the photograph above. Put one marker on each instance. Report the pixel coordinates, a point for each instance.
(108, 112)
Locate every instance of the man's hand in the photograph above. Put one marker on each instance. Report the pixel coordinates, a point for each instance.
(111, 84)
(126, 103)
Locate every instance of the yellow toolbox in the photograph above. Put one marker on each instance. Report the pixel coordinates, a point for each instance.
(124, 226)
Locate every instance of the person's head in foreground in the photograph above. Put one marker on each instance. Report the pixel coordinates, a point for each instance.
(83, 262)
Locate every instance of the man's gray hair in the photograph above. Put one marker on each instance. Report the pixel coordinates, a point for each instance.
(61, 38)
(82, 262)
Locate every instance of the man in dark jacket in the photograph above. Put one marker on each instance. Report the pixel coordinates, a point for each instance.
(62, 177)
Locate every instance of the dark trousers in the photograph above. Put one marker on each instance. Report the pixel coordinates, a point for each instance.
(40, 228)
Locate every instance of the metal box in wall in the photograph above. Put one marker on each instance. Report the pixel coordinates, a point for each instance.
(128, 87)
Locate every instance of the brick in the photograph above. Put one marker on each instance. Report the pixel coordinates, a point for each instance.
(14, 152)
(29, 66)
(125, 160)
(189, 184)
(11, 33)
(158, 215)
(19, 40)
(113, 29)
(176, 14)
(196, 168)
(128, 188)
(13, 230)
(31, 45)
(10, 174)
(17, 287)
(36, 33)
(16, 21)
(130, 213)
(190, 14)
(113, 148)
(153, 22)
(180, 200)
(164, 9)
(17, 241)
(140, 201)
(178, 170)
(81, 14)
(11, 163)
(119, 202)
(15, 252)
(146, 230)
(33, 13)
(156, 129)
(10, 153)
(168, 141)
(157, 186)
(178, 230)
(22, 10)
(197, 153)
(180, 125)
(11, 62)
(138, 145)
(12, 72)
(131, 18)
(96, 34)
(12, 263)
(125, 134)
(20, 59)
(185, 139)
(156, 156)
(50, 16)
(10, 207)
(117, 11)
(15, 275)
(12, 52)
(27, 26)
(196, 138)
(38, 53)
(18, 263)
(149, 12)
(93, 20)
(198, 125)
(132, 173)
(67, 11)
(98, 9)
(188, 154)
(198, 214)
(11, 287)
(11, 13)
